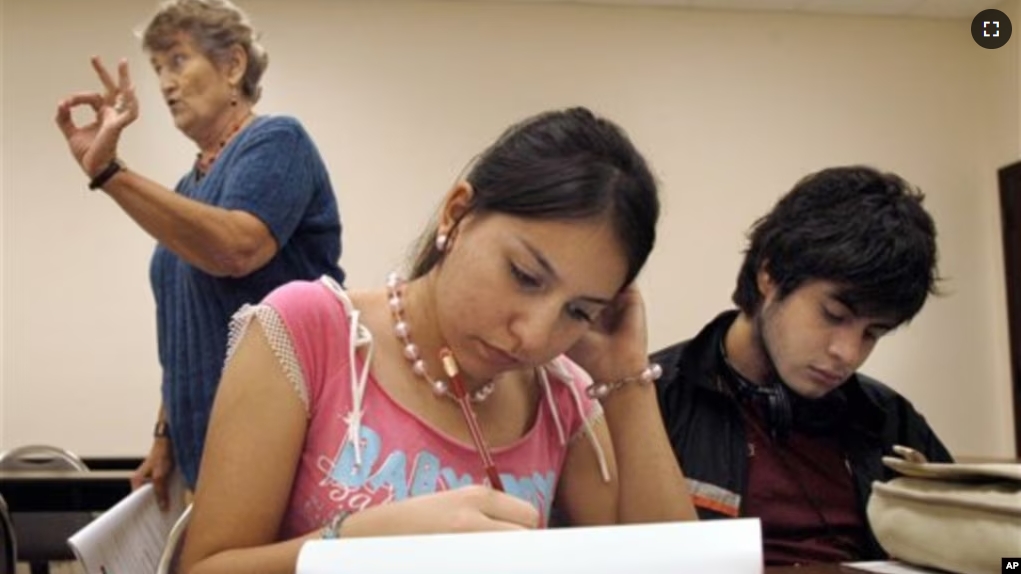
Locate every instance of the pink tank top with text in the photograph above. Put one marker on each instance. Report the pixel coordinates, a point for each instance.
(398, 454)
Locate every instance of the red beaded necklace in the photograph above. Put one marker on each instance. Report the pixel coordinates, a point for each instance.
(202, 166)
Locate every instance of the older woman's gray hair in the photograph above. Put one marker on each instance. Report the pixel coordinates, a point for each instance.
(215, 26)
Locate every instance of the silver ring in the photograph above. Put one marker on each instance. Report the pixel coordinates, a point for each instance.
(119, 104)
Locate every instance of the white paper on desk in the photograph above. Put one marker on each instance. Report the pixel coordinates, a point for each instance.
(129, 538)
(889, 567)
(717, 546)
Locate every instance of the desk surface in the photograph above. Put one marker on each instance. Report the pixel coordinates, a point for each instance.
(112, 462)
(63, 490)
(108, 481)
(811, 569)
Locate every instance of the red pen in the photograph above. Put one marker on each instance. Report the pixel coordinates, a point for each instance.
(463, 399)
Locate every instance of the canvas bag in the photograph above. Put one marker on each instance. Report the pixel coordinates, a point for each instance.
(961, 518)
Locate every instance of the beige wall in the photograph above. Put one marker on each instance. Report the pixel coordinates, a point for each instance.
(731, 108)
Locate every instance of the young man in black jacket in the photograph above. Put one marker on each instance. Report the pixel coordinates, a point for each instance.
(765, 408)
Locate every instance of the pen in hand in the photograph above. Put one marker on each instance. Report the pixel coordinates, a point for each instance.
(463, 399)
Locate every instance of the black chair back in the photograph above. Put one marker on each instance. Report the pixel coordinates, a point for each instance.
(8, 545)
(42, 536)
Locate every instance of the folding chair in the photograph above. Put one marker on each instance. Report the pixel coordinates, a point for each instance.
(8, 545)
(42, 536)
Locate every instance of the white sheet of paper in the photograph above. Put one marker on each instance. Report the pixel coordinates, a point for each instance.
(890, 567)
(717, 546)
(129, 538)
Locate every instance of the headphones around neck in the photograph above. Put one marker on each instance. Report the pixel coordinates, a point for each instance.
(773, 395)
(786, 411)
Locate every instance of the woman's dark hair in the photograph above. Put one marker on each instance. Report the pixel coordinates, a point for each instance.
(567, 164)
(215, 26)
(860, 228)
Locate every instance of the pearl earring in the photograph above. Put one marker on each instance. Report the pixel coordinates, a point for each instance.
(441, 242)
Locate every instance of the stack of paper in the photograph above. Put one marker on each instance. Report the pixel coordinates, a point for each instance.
(129, 538)
(718, 546)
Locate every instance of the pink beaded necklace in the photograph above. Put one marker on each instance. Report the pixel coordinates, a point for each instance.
(395, 286)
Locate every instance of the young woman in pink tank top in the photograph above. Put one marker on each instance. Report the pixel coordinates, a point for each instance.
(336, 415)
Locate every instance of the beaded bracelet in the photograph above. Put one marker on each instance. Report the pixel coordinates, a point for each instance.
(332, 529)
(602, 390)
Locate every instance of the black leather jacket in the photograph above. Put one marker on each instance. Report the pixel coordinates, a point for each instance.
(706, 429)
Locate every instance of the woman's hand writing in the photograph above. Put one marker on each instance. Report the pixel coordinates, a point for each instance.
(468, 509)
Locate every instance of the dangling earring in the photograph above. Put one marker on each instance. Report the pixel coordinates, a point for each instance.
(234, 96)
(441, 242)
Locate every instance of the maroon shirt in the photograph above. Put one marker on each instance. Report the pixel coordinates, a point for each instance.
(803, 493)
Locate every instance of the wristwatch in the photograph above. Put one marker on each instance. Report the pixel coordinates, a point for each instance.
(162, 430)
(104, 176)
